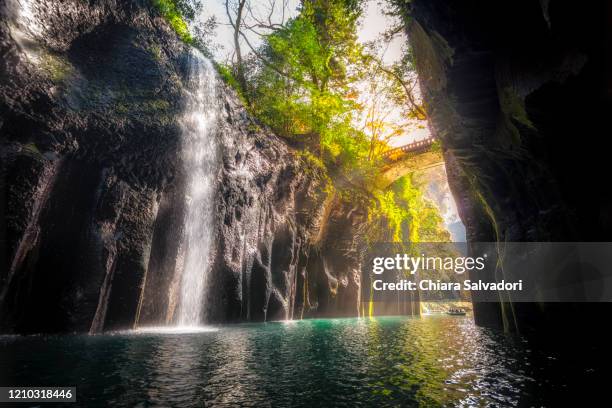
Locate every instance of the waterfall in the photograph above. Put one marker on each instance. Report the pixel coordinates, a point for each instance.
(198, 125)
(25, 27)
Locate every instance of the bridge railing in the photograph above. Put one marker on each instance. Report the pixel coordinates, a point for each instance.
(410, 147)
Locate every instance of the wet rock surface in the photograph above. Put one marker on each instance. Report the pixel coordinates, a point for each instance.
(518, 92)
(92, 190)
(89, 150)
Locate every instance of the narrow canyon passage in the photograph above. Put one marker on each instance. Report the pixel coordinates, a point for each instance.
(193, 196)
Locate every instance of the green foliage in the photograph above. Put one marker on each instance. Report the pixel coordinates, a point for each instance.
(169, 9)
(303, 88)
(407, 214)
(315, 168)
(304, 83)
(436, 146)
(229, 78)
(32, 149)
(158, 105)
(182, 15)
(155, 51)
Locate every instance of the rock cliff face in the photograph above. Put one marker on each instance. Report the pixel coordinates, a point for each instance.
(285, 247)
(89, 150)
(92, 187)
(518, 94)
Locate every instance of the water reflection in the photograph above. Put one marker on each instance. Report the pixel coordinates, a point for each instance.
(232, 382)
(431, 361)
(174, 372)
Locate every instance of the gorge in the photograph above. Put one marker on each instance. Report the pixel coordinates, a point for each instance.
(91, 100)
(177, 229)
(90, 135)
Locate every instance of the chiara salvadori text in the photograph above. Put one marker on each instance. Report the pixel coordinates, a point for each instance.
(437, 285)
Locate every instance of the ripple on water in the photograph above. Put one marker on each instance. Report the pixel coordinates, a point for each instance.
(429, 361)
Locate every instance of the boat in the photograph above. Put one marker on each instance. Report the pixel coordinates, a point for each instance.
(456, 312)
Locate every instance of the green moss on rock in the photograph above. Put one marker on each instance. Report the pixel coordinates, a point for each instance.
(170, 11)
(514, 106)
(57, 68)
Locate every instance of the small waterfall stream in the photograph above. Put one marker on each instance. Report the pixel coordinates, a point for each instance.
(200, 162)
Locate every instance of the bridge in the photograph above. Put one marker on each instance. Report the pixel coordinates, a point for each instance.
(409, 158)
(417, 146)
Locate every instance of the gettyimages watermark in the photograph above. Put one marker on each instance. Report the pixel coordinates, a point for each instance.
(490, 271)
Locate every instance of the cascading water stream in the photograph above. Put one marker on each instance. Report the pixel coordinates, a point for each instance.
(200, 162)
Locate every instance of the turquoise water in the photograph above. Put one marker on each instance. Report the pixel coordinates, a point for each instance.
(428, 361)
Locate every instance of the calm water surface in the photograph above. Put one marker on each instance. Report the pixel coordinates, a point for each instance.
(428, 361)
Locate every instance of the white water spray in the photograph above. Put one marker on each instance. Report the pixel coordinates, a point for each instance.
(200, 161)
(26, 27)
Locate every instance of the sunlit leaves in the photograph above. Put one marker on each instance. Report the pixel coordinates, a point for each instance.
(313, 83)
(171, 12)
(408, 215)
(307, 93)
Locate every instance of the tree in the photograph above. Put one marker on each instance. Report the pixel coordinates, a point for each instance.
(236, 23)
(314, 84)
(403, 71)
(306, 74)
(244, 20)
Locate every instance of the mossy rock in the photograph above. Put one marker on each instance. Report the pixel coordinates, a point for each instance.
(56, 67)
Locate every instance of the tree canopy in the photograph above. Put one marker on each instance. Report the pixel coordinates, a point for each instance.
(313, 83)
